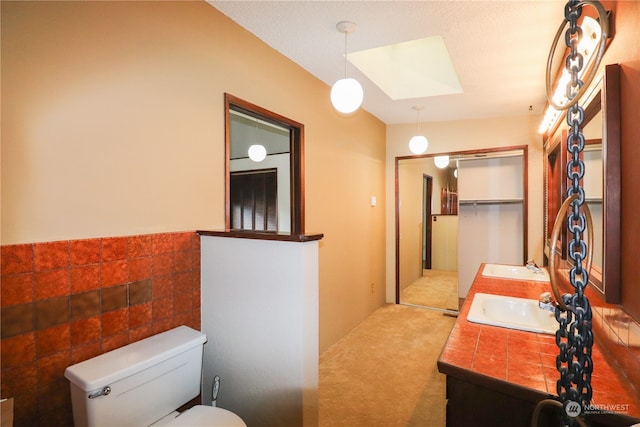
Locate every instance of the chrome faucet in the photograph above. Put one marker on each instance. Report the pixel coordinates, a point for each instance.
(546, 302)
(531, 265)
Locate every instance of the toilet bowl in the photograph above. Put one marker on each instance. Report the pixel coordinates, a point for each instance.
(143, 384)
(202, 416)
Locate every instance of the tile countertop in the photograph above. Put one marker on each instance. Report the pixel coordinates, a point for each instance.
(522, 364)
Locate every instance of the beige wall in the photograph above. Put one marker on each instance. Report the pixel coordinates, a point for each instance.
(411, 225)
(112, 117)
(468, 135)
(445, 239)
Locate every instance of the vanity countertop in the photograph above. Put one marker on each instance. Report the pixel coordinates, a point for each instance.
(523, 364)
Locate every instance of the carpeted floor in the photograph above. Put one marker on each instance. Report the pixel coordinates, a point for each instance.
(436, 289)
(384, 373)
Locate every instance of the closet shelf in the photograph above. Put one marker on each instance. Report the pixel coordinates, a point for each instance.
(490, 202)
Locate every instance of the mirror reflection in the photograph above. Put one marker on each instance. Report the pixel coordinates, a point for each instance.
(259, 174)
(593, 187)
(428, 232)
(264, 170)
(593, 181)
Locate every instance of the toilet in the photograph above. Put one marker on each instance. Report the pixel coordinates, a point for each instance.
(143, 384)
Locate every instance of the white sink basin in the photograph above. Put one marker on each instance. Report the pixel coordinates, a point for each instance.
(518, 272)
(512, 313)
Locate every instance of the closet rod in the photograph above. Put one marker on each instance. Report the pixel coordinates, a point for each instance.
(489, 202)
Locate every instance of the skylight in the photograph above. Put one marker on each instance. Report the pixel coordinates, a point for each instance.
(413, 69)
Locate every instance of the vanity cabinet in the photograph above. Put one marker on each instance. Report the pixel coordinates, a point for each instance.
(470, 404)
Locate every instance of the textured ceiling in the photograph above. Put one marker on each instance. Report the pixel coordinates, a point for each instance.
(498, 48)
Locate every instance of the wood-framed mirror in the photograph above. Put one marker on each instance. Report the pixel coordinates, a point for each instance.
(601, 181)
(263, 193)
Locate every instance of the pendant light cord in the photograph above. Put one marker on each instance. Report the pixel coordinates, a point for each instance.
(418, 109)
(345, 54)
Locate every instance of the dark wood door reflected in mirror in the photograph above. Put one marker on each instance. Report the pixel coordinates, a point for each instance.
(601, 181)
(264, 170)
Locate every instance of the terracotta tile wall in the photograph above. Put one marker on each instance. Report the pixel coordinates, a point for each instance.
(617, 333)
(65, 302)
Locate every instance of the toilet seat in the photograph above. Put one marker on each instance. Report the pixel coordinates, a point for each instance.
(207, 416)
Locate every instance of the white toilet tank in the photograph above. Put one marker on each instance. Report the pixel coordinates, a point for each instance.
(138, 384)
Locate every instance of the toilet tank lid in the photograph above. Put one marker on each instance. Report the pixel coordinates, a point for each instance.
(122, 362)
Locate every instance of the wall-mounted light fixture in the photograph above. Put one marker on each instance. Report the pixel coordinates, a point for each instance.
(591, 34)
(346, 94)
(441, 161)
(418, 143)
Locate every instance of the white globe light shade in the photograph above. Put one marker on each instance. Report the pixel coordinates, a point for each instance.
(257, 152)
(347, 95)
(418, 144)
(455, 173)
(441, 161)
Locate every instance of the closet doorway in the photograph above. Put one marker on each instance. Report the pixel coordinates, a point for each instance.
(431, 272)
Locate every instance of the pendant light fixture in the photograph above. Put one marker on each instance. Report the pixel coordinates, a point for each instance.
(441, 161)
(346, 93)
(257, 153)
(418, 144)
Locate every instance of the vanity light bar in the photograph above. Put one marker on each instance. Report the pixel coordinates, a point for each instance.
(591, 37)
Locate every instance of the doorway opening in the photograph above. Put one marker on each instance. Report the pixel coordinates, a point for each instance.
(434, 270)
(427, 192)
